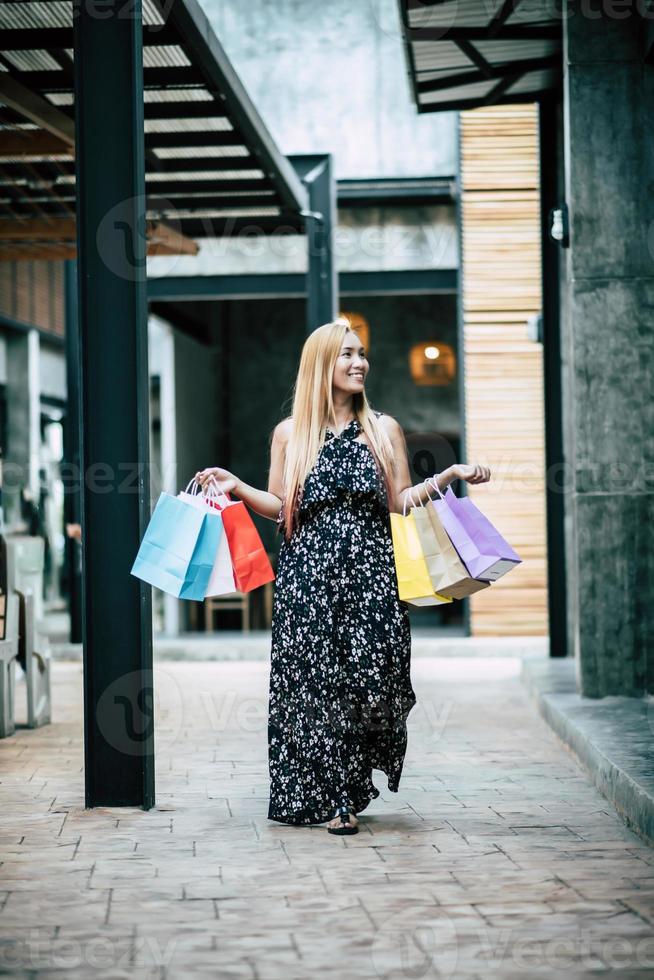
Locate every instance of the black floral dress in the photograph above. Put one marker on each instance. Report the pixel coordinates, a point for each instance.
(340, 687)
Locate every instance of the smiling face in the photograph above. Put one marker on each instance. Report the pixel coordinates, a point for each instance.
(351, 366)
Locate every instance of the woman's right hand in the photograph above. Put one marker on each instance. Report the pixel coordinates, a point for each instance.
(215, 476)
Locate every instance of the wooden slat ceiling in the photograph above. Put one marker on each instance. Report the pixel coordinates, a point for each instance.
(212, 168)
(463, 54)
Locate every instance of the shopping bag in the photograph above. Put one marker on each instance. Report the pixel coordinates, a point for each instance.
(485, 535)
(178, 549)
(221, 581)
(413, 582)
(485, 559)
(447, 573)
(250, 563)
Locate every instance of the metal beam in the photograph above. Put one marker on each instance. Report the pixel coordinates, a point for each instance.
(401, 191)
(117, 624)
(202, 109)
(502, 86)
(557, 591)
(40, 38)
(509, 68)
(198, 109)
(169, 165)
(471, 53)
(72, 462)
(33, 142)
(33, 106)
(508, 8)
(459, 105)
(202, 137)
(175, 186)
(230, 202)
(316, 173)
(294, 285)
(209, 58)
(175, 76)
(222, 227)
(456, 34)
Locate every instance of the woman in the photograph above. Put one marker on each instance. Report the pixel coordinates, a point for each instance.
(340, 688)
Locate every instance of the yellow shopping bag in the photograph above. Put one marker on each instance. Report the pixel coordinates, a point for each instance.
(413, 582)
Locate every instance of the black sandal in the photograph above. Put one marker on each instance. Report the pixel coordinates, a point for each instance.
(349, 828)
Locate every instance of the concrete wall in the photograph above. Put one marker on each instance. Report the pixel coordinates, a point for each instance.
(366, 240)
(195, 410)
(609, 156)
(52, 368)
(329, 76)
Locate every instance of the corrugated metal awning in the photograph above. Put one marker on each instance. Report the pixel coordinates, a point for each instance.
(212, 167)
(467, 53)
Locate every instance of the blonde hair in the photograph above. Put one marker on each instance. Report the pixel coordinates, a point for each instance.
(313, 413)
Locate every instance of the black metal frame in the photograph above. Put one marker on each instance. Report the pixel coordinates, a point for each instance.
(316, 173)
(112, 298)
(396, 192)
(197, 206)
(460, 342)
(505, 73)
(72, 459)
(294, 285)
(557, 596)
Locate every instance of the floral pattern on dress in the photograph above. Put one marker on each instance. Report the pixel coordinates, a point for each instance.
(340, 689)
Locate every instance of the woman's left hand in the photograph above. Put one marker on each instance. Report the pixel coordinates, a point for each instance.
(471, 472)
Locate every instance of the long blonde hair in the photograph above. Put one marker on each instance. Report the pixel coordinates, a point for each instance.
(313, 413)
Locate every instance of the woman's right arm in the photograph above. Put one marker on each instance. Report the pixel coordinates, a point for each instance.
(267, 503)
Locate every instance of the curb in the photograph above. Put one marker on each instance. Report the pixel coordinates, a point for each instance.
(611, 737)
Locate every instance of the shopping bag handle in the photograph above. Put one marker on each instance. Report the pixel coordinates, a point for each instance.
(410, 496)
(192, 483)
(214, 493)
(432, 481)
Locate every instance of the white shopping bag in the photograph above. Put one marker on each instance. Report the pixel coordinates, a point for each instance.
(221, 580)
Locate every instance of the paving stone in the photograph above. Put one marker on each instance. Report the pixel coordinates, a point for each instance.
(497, 848)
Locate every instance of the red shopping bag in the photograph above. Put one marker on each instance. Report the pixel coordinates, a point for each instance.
(250, 562)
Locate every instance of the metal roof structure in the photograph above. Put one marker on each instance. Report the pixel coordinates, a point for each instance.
(463, 54)
(212, 167)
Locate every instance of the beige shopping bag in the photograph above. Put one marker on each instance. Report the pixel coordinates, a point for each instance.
(448, 575)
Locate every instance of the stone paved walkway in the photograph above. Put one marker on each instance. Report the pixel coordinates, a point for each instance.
(497, 857)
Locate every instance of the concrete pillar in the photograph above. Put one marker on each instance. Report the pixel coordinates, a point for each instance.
(21, 469)
(609, 166)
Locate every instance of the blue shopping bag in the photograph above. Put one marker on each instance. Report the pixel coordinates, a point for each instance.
(178, 549)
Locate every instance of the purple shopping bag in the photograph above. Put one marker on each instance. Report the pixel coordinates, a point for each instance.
(482, 549)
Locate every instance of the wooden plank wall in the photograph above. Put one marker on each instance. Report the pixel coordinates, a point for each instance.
(32, 292)
(503, 369)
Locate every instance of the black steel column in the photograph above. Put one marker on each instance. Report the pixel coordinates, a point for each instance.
(72, 463)
(111, 244)
(460, 343)
(316, 173)
(550, 197)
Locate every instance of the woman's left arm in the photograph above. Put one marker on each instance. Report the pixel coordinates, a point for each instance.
(419, 493)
